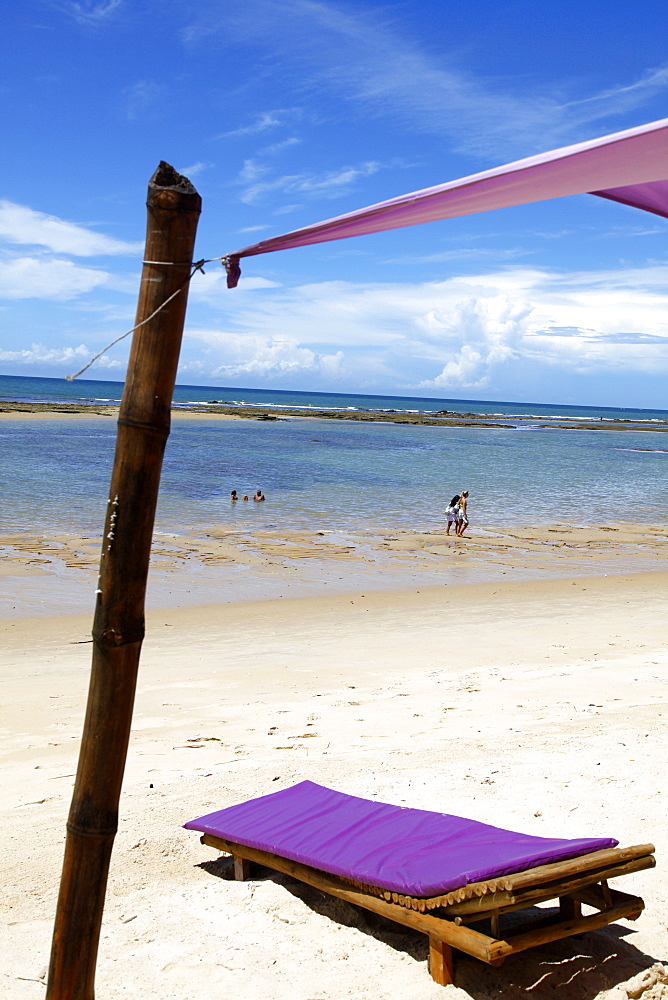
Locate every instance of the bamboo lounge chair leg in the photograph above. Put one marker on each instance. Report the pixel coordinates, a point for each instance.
(569, 908)
(242, 868)
(441, 962)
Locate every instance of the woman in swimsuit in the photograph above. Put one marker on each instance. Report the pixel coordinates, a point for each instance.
(452, 513)
(463, 519)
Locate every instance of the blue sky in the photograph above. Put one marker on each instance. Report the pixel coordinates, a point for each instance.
(286, 112)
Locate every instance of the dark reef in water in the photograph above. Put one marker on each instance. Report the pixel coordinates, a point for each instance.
(444, 418)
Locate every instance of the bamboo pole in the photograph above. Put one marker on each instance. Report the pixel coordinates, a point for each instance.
(118, 630)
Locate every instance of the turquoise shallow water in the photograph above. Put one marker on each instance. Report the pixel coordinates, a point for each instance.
(54, 475)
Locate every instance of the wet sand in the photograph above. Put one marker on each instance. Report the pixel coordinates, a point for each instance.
(50, 573)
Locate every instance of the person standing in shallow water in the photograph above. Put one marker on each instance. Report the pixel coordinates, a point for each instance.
(463, 518)
(259, 497)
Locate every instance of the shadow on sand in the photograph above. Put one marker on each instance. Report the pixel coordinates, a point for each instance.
(578, 967)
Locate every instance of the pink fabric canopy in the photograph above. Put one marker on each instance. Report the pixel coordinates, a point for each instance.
(630, 167)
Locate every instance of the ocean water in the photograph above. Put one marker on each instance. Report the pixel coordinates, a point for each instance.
(336, 476)
(51, 390)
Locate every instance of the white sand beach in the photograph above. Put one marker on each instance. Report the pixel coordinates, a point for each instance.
(539, 705)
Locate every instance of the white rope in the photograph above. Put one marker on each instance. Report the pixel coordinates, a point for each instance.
(196, 266)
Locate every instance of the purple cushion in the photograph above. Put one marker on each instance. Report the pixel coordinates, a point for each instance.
(410, 851)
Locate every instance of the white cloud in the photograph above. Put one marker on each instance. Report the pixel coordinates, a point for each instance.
(263, 357)
(468, 369)
(57, 356)
(22, 225)
(492, 327)
(53, 279)
(212, 285)
(459, 333)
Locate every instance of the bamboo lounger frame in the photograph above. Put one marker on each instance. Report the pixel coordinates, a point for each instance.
(444, 918)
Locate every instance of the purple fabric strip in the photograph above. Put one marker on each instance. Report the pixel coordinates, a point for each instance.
(629, 166)
(410, 851)
(650, 197)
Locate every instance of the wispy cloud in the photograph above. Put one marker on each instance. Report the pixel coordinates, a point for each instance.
(263, 122)
(466, 254)
(195, 168)
(252, 171)
(365, 55)
(92, 12)
(278, 147)
(25, 226)
(649, 82)
(330, 184)
(141, 99)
